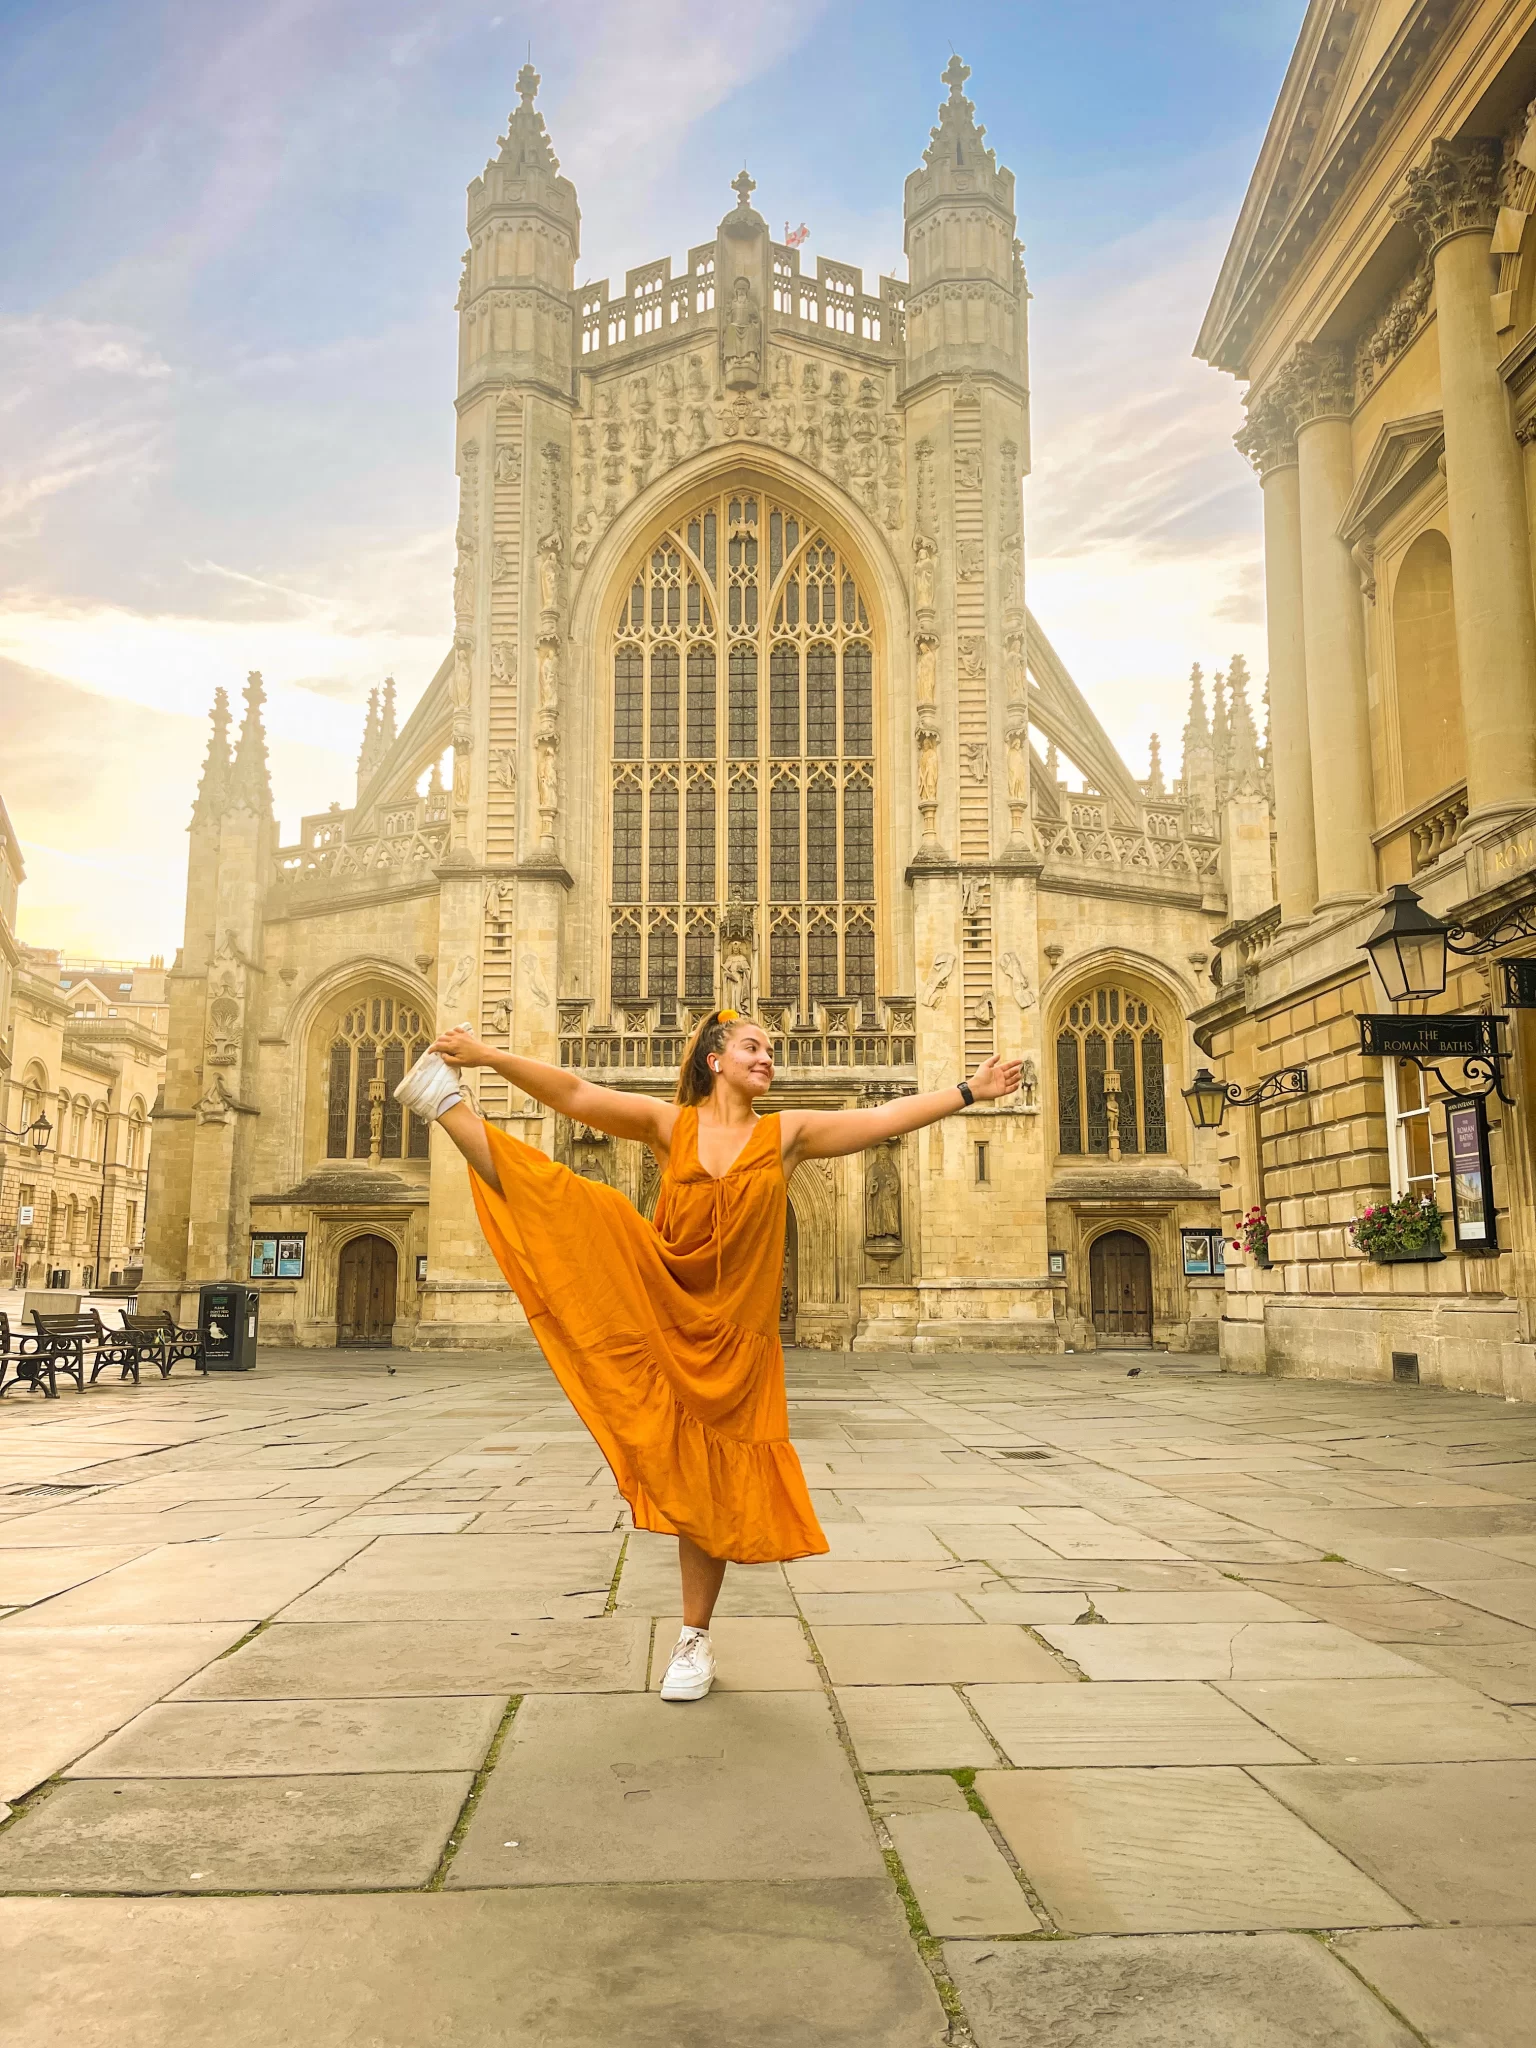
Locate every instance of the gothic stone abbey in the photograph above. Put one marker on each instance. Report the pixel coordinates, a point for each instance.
(743, 704)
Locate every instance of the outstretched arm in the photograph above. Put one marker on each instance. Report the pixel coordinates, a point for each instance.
(827, 1133)
(613, 1110)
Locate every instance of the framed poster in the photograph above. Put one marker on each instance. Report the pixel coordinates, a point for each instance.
(1466, 1136)
(1058, 1265)
(290, 1258)
(1197, 1254)
(263, 1258)
(421, 1267)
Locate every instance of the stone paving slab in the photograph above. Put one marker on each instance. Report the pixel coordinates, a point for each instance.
(1127, 1724)
(1505, 1671)
(31, 1575)
(963, 1882)
(465, 1578)
(1512, 1599)
(1225, 1650)
(912, 1728)
(1174, 1851)
(669, 1966)
(359, 1659)
(619, 1789)
(933, 1792)
(1403, 1614)
(1231, 1603)
(1453, 1841)
(823, 1610)
(66, 1689)
(1010, 1609)
(322, 1834)
(1170, 1991)
(1387, 1720)
(281, 1738)
(1462, 1987)
(935, 1655)
(753, 1653)
(238, 1579)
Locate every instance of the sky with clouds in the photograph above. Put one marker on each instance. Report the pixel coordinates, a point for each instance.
(227, 344)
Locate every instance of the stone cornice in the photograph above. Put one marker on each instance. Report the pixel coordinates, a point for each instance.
(1455, 193)
(1282, 222)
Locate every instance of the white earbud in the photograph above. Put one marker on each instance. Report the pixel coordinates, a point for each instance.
(714, 1066)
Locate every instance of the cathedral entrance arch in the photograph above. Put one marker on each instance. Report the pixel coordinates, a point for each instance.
(366, 1280)
(1120, 1286)
(789, 1286)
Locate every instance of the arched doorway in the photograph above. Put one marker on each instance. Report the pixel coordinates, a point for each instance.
(365, 1291)
(1120, 1286)
(789, 1286)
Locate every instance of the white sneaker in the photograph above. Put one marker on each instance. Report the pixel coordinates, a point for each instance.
(692, 1670)
(430, 1087)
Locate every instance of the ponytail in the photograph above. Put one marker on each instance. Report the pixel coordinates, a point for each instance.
(696, 1077)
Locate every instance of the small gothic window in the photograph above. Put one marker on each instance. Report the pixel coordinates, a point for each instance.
(1110, 1031)
(784, 843)
(626, 841)
(377, 1039)
(628, 694)
(701, 704)
(701, 840)
(662, 887)
(663, 703)
(784, 703)
(821, 843)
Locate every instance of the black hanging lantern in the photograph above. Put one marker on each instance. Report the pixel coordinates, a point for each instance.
(1207, 1098)
(1408, 947)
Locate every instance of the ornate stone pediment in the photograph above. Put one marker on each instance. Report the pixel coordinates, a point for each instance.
(1406, 455)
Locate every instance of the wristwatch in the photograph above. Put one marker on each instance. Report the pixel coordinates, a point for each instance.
(965, 1093)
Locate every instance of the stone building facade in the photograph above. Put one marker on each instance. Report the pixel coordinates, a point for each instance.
(743, 703)
(1378, 300)
(73, 1216)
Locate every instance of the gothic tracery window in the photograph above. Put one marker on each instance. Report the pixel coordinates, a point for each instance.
(377, 1038)
(743, 770)
(1110, 1031)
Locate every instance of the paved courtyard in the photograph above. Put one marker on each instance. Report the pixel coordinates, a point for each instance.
(1128, 1709)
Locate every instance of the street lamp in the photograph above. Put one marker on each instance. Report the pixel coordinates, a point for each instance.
(39, 1131)
(1208, 1098)
(1408, 948)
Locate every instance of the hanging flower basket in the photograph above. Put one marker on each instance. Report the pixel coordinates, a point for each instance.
(1406, 1231)
(1253, 1237)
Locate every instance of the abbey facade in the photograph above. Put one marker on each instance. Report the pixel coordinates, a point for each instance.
(744, 704)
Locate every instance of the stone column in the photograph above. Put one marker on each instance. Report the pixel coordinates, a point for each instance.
(1269, 442)
(1453, 203)
(1333, 628)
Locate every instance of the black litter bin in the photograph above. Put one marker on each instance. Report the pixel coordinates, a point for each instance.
(226, 1318)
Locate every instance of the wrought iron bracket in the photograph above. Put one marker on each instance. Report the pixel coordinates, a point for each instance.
(1289, 1081)
(1515, 924)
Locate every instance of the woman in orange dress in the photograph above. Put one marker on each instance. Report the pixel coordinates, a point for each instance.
(665, 1335)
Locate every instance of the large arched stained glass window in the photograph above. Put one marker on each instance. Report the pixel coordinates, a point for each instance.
(1110, 1031)
(743, 764)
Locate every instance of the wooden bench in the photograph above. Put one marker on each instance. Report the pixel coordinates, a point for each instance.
(67, 1340)
(25, 1360)
(162, 1340)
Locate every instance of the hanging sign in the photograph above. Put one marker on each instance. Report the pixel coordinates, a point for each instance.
(1466, 1133)
(1430, 1038)
(1519, 984)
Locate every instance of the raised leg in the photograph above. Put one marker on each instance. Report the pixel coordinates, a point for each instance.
(702, 1576)
(468, 1132)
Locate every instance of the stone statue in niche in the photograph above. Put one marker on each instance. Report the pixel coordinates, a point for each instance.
(694, 382)
(977, 765)
(504, 767)
(974, 895)
(882, 1196)
(463, 647)
(1018, 764)
(971, 649)
(970, 560)
(500, 901)
(547, 777)
(464, 579)
(1013, 573)
(927, 668)
(501, 562)
(549, 571)
(927, 765)
(549, 680)
(743, 339)
(925, 552)
(736, 980)
(509, 463)
(968, 470)
(503, 662)
(1029, 1083)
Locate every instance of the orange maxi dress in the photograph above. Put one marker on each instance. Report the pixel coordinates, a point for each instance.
(665, 1336)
